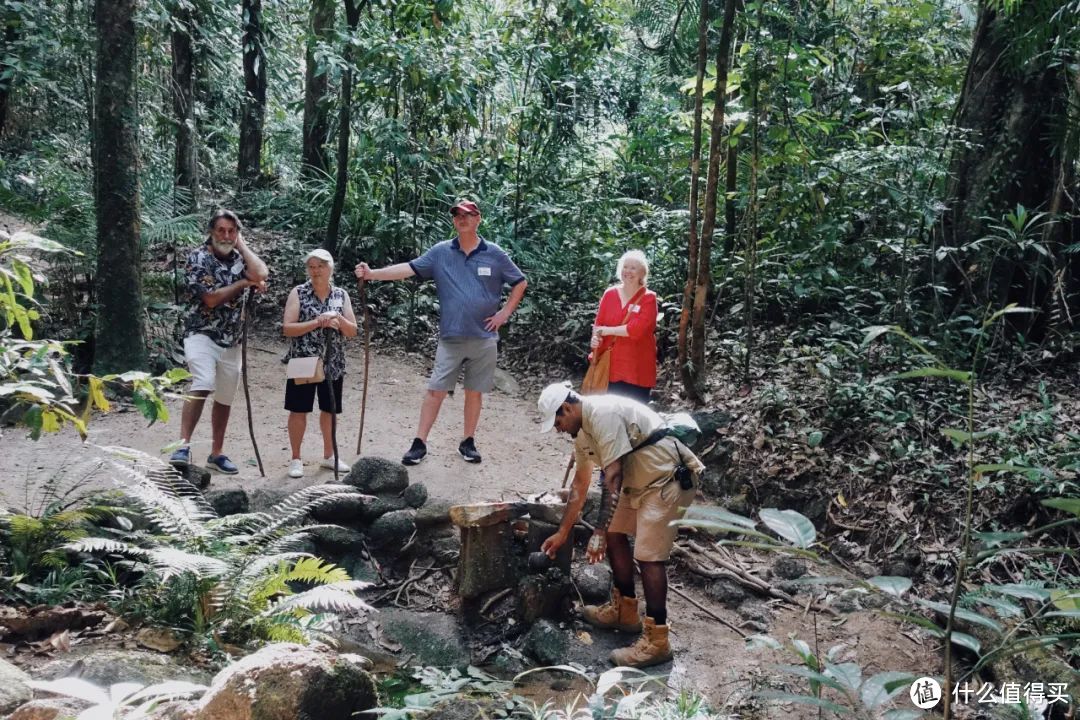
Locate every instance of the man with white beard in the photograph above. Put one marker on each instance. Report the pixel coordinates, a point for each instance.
(217, 276)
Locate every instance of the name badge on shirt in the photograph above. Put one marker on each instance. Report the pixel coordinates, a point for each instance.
(237, 268)
(483, 271)
(338, 305)
(635, 308)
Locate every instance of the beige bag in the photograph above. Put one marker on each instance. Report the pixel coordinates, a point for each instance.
(304, 370)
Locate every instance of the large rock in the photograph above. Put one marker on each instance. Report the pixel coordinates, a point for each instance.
(432, 638)
(337, 541)
(228, 502)
(377, 476)
(435, 511)
(710, 421)
(105, 667)
(505, 383)
(593, 581)
(287, 682)
(49, 709)
(393, 528)
(415, 495)
(547, 643)
(13, 688)
(345, 509)
(380, 506)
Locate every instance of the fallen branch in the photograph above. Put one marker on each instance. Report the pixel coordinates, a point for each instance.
(494, 599)
(708, 612)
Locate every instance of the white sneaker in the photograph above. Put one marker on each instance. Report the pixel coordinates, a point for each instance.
(296, 468)
(328, 463)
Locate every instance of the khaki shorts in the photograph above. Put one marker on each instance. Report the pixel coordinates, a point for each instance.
(212, 367)
(649, 523)
(477, 356)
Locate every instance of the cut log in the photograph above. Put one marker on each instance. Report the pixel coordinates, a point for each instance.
(485, 514)
(486, 562)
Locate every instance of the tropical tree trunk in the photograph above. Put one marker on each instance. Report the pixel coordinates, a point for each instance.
(186, 166)
(352, 17)
(316, 109)
(1021, 150)
(253, 108)
(7, 71)
(121, 335)
(686, 374)
(708, 223)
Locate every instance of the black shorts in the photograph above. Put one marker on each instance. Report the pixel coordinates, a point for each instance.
(301, 398)
(634, 392)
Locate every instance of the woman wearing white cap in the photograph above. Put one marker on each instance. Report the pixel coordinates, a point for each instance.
(315, 312)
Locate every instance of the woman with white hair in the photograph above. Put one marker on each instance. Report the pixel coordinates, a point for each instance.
(316, 312)
(626, 322)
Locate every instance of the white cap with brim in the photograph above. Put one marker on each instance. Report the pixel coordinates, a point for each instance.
(320, 254)
(551, 399)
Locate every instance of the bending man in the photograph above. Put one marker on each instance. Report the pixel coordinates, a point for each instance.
(647, 481)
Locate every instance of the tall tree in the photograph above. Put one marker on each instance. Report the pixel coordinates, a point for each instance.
(352, 17)
(689, 381)
(8, 40)
(186, 166)
(121, 335)
(253, 107)
(316, 107)
(1018, 111)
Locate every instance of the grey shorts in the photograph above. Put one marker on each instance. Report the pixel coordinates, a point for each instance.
(477, 355)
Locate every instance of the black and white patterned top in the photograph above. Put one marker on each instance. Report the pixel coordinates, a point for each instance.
(205, 272)
(313, 343)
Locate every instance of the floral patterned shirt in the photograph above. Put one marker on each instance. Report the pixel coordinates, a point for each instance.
(314, 343)
(205, 273)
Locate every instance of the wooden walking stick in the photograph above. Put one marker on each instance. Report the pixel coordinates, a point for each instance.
(244, 311)
(367, 361)
(328, 338)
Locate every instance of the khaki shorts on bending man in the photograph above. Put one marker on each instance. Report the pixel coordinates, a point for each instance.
(641, 493)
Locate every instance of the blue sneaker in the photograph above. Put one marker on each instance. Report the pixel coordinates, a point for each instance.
(181, 456)
(221, 464)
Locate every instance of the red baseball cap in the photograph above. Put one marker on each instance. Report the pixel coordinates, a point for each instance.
(465, 206)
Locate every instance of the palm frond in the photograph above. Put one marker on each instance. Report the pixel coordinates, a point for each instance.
(106, 545)
(299, 505)
(168, 562)
(225, 527)
(263, 564)
(336, 598)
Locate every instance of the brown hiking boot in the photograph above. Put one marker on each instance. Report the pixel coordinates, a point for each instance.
(651, 648)
(618, 613)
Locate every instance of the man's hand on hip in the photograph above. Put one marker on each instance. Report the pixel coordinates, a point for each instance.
(496, 321)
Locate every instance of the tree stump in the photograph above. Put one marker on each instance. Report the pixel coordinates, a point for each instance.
(487, 561)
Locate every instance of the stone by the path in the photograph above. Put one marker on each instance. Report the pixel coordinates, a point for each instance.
(228, 502)
(435, 511)
(377, 476)
(288, 681)
(393, 528)
(380, 506)
(542, 595)
(49, 709)
(415, 495)
(345, 509)
(726, 591)
(13, 688)
(432, 638)
(788, 568)
(547, 643)
(194, 474)
(105, 667)
(593, 581)
(710, 421)
(505, 383)
(337, 541)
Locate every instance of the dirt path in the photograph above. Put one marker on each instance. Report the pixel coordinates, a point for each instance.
(517, 460)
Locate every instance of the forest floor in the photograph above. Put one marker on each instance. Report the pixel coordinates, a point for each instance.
(710, 657)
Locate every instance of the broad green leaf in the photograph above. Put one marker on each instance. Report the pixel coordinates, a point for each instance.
(961, 613)
(695, 512)
(805, 672)
(893, 585)
(993, 539)
(813, 439)
(958, 375)
(756, 642)
(876, 331)
(1067, 600)
(790, 525)
(1007, 310)
(897, 714)
(967, 641)
(1004, 608)
(97, 395)
(1069, 505)
(176, 375)
(847, 674)
(879, 689)
(1025, 592)
(805, 700)
(718, 527)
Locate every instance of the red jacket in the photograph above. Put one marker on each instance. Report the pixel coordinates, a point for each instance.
(633, 358)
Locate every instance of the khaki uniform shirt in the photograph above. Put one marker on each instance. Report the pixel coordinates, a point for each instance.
(612, 426)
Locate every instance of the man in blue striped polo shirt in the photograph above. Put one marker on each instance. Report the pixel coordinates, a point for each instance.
(469, 275)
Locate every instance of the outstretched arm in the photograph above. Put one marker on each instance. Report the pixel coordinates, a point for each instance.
(390, 272)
